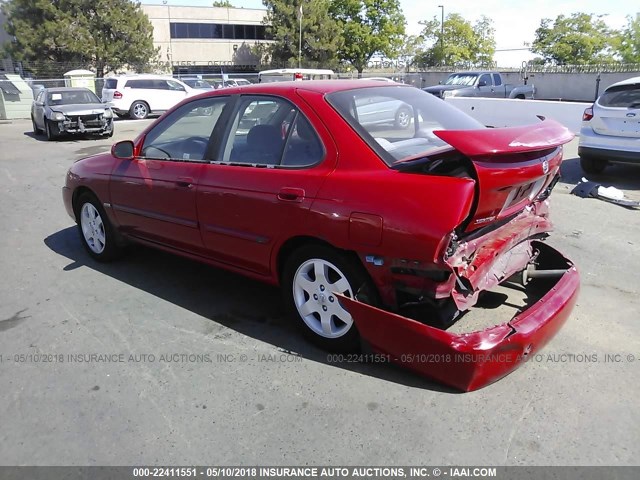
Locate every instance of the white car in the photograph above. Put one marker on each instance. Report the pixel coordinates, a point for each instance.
(138, 96)
(610, 130)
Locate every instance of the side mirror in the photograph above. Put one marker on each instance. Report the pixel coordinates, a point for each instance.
(482, 83)
(123, 150)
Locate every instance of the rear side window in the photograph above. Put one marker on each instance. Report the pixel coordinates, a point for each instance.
(625, 96)
(496, 79)
(111, 83)
(271, 131)
(139, 84)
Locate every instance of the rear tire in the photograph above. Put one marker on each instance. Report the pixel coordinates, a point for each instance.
(36, 130)
(311, 277)
(139, 110)
(592, 165)
(96, 232)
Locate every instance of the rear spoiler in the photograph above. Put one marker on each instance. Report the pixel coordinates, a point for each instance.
(507, 140)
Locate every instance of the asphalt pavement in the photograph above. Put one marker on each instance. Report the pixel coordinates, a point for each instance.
(156, 359)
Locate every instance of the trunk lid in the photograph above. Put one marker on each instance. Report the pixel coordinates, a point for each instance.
(617, 112)
(513, 166)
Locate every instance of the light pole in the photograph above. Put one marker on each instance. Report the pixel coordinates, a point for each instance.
(441, 7)
(300, 36)
(170, 49)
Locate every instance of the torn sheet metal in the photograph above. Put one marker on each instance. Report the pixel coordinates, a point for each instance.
(470, 361)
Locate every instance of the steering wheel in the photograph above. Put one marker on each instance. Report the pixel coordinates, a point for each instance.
(150, 152)
(195, 146)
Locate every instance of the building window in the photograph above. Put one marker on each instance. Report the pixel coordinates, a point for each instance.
(216, 30)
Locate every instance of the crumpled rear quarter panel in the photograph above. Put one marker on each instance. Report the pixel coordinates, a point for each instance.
(468, 361)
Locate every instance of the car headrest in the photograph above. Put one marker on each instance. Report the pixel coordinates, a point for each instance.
(265, 137)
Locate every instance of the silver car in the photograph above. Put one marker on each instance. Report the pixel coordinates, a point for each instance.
(610, 130)
(73, 110)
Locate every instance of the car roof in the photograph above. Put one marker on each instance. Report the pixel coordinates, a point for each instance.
(318, 86)
(628, 81)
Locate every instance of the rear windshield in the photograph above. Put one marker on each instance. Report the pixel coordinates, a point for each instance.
(399, 122)
(111, 83)
(621, 96)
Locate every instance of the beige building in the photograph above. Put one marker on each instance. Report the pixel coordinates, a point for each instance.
(206, 39)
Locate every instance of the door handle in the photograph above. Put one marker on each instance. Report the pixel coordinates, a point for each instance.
(288, 194)
(184, 182)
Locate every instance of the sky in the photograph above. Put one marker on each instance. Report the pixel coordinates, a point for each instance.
(515, 21)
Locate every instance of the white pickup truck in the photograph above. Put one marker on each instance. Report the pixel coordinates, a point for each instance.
(480, 84)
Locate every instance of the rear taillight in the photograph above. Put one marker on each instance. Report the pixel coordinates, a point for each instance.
(117, 94)
(588, 114)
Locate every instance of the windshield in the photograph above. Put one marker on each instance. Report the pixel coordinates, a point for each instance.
(624, 96)
(399, 122)
(461, 79)
(72, 97)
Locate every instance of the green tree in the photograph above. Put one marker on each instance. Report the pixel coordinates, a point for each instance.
(578, 39)
(486, 42)
(629, 41)
(368, 27)
(223, 4)
(52, 35)
(457, 42)
(320, 33)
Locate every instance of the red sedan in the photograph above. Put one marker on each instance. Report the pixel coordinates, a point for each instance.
(381, 233)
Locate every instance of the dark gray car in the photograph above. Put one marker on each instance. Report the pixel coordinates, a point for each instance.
(73, 110)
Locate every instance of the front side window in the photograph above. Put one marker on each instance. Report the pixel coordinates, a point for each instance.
(270, 131)
(398, 122)
(185, 133)
(486, 78)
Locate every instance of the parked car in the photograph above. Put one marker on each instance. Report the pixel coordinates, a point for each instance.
(138, 96)
(70, 110)
(383, 110)
(197, 83)
(480, 84)
(283, 183)
(236, 82)
(610, 130)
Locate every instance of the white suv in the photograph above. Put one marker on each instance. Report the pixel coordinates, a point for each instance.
(138, 96)
(610, 130)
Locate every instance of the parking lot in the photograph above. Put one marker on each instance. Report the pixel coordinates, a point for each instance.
(159, 360)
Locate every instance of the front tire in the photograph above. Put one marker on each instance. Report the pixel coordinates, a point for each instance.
(593, 165)
(311, 277)
(139, 110)
(96, 232)
(51, 129)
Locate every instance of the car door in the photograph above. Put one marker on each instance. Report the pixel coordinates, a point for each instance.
(38, 109)
(269, 168)
(485, 86)
(154, 195)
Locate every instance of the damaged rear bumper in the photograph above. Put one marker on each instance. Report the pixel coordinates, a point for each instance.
(473, 360)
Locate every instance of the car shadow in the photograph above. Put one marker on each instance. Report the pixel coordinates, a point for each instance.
(244, 305)
(65, 138)
(624, 177)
